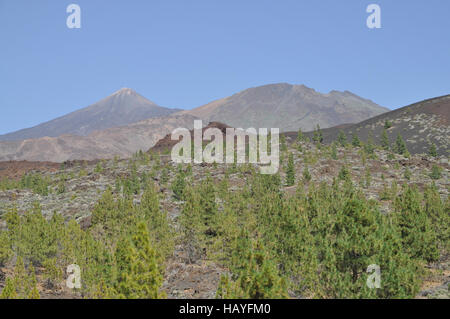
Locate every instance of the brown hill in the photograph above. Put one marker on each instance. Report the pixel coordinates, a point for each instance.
(288, 107)
(420, 124)
(120, 141)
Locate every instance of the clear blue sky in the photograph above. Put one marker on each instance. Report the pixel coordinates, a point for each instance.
(189, 52)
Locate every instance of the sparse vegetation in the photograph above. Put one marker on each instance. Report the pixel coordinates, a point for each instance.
(314, 240)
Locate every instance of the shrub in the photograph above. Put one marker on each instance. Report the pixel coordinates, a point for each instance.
(306, 174)
(435, 172)
(344, 173)
(433, 150)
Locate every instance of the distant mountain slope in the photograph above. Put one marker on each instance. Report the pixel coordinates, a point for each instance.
(288, 107)
(121, 108)
(120, 141)
(420, 125)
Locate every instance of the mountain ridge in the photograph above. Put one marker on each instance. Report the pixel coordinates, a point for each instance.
(288, 107)
(123, 107)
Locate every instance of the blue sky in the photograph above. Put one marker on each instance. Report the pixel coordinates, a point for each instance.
(189, 52)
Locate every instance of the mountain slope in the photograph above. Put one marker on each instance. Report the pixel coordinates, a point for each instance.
(120, 141)
(420, 124)
(288, 107)
(121, 108)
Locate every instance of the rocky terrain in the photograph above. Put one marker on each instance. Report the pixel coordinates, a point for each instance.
(420, 124)
(69, 175)
(288, 107)
(85, 183)
(121, 141)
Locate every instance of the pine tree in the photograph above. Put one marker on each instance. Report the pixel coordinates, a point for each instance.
(344, 173)
(33, 291)
(160, 231)
(207, 202)
(334, 151)
(23, 285)
(257, 276)
(385, 141)
(433, 151)
(355, 140)
(290, 171)
(437, 210)
(435, 172)
(139, 271)
(191, 224)
(368, 178)
(164, 176)
(369, 147)
(9, 291)
(306, 174)
(342, 138)
(318, 136)
(5, 248)
(418, 235)
(407, 174)
(283, 145)
(400, 146)
(179, 185)
(300, 137)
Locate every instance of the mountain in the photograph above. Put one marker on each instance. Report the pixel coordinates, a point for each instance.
(288, 107)
(121, 108)
(120, 141)
(420, 124)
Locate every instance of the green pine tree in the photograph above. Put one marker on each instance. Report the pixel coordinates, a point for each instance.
(400, 145)
(355, 140)
(306, 174)
(433, 150)
(9, 291)
(342, 138)
(139, 270)
(290, 171)
(385, 141)
(334, 151)
(418, 235)
(179, 184)
(257, 276)
(318, 136)
(300, 136)
(191, 224)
